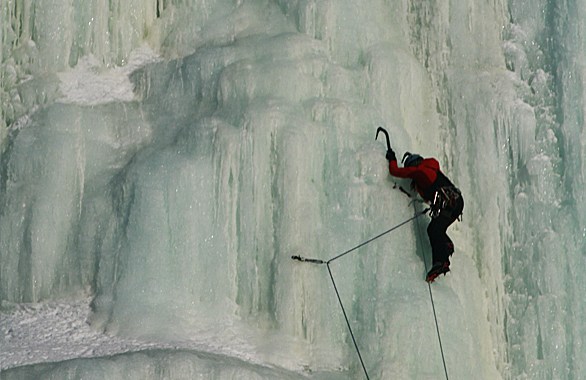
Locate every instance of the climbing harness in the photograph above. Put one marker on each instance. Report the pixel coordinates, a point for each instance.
(444, 202)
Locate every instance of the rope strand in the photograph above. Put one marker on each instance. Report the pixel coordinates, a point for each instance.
(318, 261)
(347, 322)
(417, 215)
(439, 338)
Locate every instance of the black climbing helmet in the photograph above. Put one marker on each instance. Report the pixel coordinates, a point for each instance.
(411, 159)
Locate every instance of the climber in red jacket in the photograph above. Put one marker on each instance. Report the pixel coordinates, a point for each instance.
(445, 199)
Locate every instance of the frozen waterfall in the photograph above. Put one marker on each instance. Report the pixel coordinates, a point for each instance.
(162, 160)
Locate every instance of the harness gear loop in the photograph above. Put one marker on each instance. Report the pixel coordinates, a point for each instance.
(444, 202)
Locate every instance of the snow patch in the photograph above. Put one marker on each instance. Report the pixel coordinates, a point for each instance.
(89, 83)
(53, 332)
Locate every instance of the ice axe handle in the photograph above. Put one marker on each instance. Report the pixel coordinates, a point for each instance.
(381, 129)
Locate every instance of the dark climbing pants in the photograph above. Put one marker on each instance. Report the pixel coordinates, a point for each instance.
(442, 246)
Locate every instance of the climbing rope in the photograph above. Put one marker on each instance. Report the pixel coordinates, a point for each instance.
(347, 322)
(439, 338)
(318, 261)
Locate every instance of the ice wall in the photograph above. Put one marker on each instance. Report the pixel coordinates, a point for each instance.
(168, 158)
(548, 224)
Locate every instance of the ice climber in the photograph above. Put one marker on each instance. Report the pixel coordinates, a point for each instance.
(445, 199)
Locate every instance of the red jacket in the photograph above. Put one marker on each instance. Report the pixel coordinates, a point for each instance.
(424, 176)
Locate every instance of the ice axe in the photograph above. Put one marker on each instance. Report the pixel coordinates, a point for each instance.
(381, 129)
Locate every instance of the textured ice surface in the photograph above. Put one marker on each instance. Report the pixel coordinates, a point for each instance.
(167, 159)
